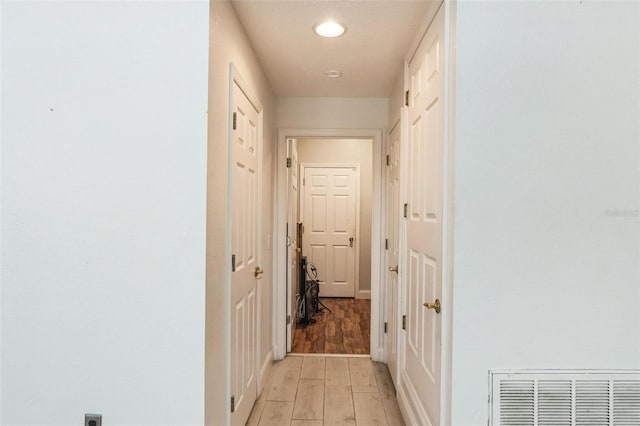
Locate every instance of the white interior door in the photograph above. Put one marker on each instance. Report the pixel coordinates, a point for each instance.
(293, 273)
(422, 351)
(392, 246)
(245, 246)
(330, 227)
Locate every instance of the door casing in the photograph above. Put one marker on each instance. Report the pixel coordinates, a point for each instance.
(377, 242)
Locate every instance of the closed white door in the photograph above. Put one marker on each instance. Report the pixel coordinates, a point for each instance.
(245, 246)
(422, 352)
(330, 227)
(293, 273)
(392, 246)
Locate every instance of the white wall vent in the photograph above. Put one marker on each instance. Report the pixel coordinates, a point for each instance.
(559, 398)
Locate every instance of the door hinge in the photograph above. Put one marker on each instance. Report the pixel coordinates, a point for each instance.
(386, 244)
(233, 403)
(406, 98)
(233, 263)
(288, 319)
(406, 210)
(289, 162)
(385, 328)
(235, 116)
(404, 322)
(388, 160)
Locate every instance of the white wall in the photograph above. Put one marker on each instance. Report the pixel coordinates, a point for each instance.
(229, 44)
(104, 110)
(331, 113)
(350, 151)
(547, 144)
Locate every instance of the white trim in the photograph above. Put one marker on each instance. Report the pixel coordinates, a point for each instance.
(446, 354)
(301, 191)
(280, 285)
(363, 294)
(330, 355)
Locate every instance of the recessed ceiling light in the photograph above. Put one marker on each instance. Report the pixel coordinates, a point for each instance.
(333, 73)
(329, 29)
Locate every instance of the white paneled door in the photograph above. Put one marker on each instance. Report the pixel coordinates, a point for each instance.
(330, 227)
(245, 249)
(392, 247)
(423, 277)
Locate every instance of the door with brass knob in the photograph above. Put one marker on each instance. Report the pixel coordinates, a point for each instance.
(435, 305)
(330, 198)
(245, 253)
(421, 367)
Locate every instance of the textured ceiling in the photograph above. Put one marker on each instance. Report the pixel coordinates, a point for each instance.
(369, 54)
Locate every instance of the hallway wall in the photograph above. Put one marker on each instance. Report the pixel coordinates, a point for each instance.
(229, 44)
(547, 232)
(104, 109)
(331, 113)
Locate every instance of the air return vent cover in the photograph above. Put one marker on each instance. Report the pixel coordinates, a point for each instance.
(559, 398)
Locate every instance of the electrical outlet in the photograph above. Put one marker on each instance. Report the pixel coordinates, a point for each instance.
(93, 420)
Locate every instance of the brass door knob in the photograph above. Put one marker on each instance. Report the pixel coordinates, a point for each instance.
(435, 305)
(393, 269)
(258, 272)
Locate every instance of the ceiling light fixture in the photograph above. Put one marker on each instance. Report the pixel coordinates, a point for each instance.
(329, 29)
(333, 73)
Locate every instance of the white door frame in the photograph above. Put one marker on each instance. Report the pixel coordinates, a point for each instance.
(280, 219)
(301, 192)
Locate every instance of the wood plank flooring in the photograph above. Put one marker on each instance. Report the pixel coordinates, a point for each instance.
(327, 391)
(344, 330)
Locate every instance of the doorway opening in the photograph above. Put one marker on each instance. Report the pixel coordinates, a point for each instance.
(329, 213)
(334, 224)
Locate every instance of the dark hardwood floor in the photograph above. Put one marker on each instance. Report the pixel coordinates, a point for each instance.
(344, 330)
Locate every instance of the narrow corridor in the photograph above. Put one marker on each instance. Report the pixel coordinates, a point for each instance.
(327, 390)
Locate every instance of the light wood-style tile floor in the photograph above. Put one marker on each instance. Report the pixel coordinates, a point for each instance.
(327, 391)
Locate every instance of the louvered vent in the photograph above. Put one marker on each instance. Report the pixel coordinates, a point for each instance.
(559, 398)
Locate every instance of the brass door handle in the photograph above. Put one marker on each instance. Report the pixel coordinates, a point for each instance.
(435, 305)
(258, 273)
(351, 241)
(393, 269)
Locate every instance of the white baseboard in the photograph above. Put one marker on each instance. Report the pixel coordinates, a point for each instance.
(277, 356)
(378, 355)
(363, 294)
